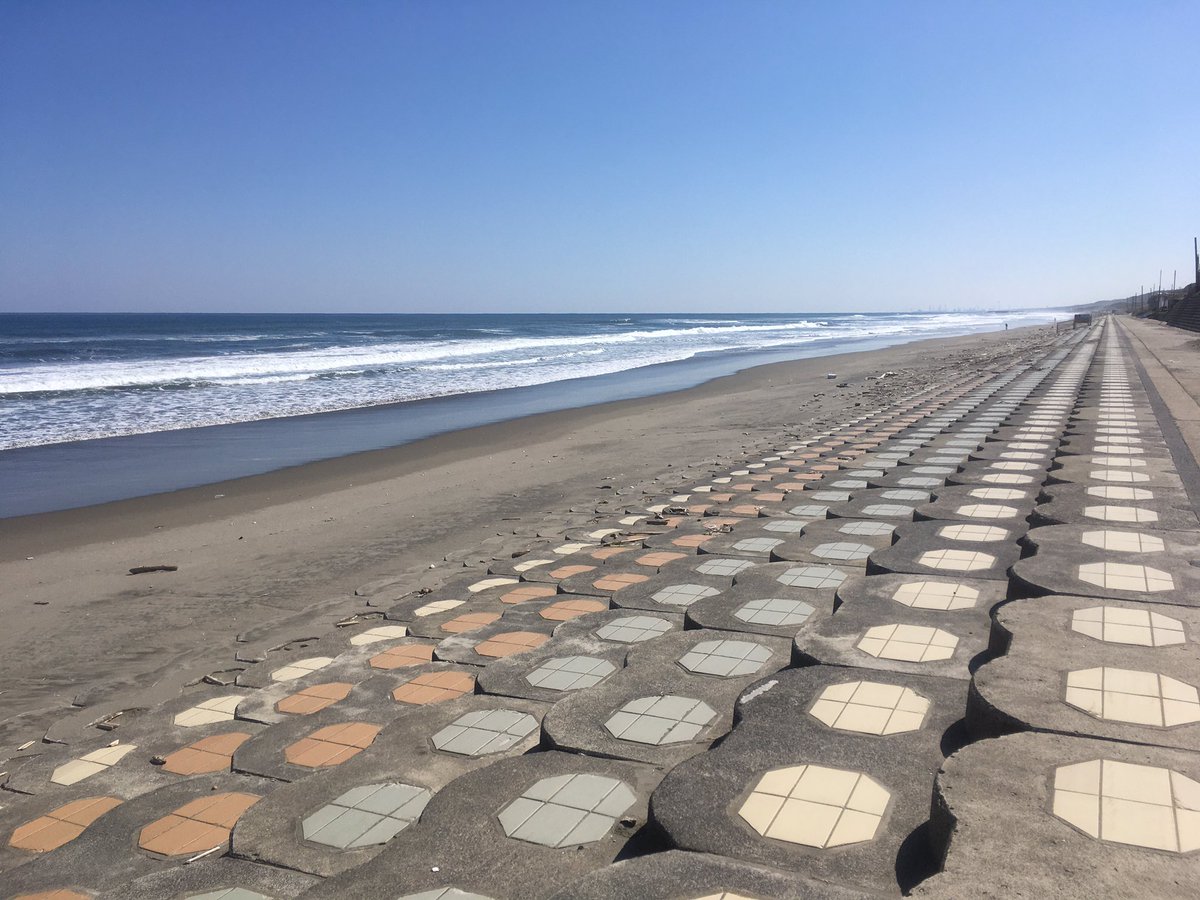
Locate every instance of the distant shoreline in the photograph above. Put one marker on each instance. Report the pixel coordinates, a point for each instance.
(58, 477)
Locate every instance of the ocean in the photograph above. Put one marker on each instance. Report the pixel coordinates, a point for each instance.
(100, 394)
(80, 377)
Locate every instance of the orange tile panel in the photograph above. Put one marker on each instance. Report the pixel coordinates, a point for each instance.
(510, 643)
(469, 622)
(211, 754)
(434, 687)
(403, 655)
(59, 826)
(571, 609)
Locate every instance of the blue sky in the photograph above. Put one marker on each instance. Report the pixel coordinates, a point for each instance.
(577, 156)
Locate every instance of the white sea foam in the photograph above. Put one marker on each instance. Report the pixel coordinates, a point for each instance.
(298, 373)
(230, 367)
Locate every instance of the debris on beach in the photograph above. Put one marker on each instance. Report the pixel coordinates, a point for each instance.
(222, 678)
(358, 618)
(109, 722)
(142, 570)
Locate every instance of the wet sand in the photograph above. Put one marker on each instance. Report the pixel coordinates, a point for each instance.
(278, 557)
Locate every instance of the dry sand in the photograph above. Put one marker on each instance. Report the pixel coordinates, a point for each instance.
(278, 557)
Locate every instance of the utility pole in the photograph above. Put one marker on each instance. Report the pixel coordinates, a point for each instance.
(1197, 252)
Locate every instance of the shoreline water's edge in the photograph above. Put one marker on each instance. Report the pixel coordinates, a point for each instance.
(57, 477)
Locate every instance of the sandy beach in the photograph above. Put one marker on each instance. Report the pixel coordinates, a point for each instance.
(278, 557)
